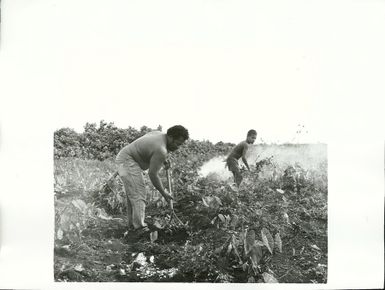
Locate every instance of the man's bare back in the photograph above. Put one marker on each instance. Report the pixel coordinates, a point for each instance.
(144, 148)
(238, 151)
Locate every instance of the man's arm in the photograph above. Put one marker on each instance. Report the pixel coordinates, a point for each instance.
(245, 147)
(156, 162)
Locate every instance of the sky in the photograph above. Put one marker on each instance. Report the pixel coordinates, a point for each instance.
(218, 67)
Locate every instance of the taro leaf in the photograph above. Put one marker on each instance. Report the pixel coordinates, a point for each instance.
(255, 255)
(315, 247)
(251, 280)
(222, 218)
(267, 240)
(217, 200)
(153, 236)
(122, 272)
(229, 248)
(242, 237)
(268, 278)
(278, 242)
(205, 203)
(234, 221)
(234, 241)
(80, 205)
(101, 213)
(244, 266)
(79, 268)
(286, 218)
(250, 239)
(259, 243)
(211, 201)
(235, 245)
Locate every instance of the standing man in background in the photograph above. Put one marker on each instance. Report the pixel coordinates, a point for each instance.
(238, 152)
(147, 152)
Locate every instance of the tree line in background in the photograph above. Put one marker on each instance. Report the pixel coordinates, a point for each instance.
(104, 141)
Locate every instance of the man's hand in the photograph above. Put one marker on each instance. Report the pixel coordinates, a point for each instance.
(167, 197)
(167, 164)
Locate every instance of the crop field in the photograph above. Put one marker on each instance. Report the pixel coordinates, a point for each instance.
(272, 230)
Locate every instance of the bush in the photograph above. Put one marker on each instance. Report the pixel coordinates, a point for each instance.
(105, 141)
(96, 142)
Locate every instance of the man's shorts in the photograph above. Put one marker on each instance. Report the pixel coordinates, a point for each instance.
(132, 177)
(233, 166)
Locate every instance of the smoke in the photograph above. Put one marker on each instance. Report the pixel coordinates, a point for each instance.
(308, 156)
(215, 169)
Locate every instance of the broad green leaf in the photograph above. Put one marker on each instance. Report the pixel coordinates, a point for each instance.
(234, 221)
(122, 272)
(235, 245)
(278, 242)
(79, 268)
(267, 239)
(222, 218)
(205, 203)
(153, 236)
(244, 266)
(256, 255)
(259, 243)
(217, 200)
(315, 247)
(286, 218)
(211, 201)
(229, 248)
(80, 205)
(251, 280)
(268, 278)
(250, 239)
(101, 213)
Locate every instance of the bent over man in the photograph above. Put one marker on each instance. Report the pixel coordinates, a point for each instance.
(147, 152)
(238, 152)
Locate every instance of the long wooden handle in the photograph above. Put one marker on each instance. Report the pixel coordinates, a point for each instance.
(169, 188)
(169, 181)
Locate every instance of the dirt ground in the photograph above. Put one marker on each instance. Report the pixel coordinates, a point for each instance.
(106, 253)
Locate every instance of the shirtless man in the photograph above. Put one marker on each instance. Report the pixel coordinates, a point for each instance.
(147, 152)
(238, 152)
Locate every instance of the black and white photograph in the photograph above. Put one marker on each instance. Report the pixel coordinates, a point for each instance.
(202, 212)
(153, 143)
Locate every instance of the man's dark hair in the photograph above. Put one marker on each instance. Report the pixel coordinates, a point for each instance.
(251, 132)
(178, 131)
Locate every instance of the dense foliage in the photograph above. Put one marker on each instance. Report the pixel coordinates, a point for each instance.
(103, 141)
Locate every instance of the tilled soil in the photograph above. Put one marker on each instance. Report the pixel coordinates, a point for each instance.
(107, 253)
